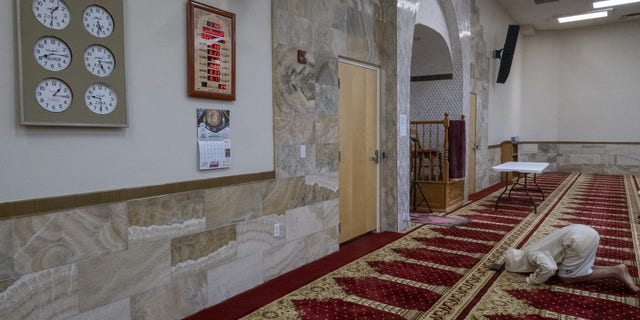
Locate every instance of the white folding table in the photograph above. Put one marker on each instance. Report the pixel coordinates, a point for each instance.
(521, 167)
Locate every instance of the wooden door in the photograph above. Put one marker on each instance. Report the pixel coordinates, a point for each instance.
(358, 141)
(472, 145)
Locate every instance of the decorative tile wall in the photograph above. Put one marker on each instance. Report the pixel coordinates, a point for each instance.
(584, 157)
(306, 95)
(163, 257)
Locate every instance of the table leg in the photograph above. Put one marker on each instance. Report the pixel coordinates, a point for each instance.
(537, 186)
(506, 185)
(535, 208)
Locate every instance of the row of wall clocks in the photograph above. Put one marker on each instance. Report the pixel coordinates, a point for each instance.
(71, 63)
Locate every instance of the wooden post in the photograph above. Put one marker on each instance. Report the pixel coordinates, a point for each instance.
(445, 167)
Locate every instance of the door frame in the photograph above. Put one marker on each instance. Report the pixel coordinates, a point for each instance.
(380, 157)
(472, 146)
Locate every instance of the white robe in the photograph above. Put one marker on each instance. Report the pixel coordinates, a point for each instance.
(570, 250)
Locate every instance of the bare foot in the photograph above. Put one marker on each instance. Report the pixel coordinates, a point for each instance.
(626, 278)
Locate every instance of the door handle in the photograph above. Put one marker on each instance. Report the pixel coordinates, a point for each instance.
(376, 157)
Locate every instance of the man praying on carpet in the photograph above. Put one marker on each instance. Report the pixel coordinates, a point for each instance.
(569, 251)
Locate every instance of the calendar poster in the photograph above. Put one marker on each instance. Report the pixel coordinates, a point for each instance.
(214, 145)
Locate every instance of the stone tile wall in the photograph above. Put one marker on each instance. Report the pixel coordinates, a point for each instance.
(306, 95)
(163, 257)
(609, 158)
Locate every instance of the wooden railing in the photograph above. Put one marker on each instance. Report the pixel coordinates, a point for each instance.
(430, 150)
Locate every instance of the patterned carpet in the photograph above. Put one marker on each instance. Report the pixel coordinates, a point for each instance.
(439, 272)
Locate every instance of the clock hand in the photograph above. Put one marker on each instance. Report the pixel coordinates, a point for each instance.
(46, 55)
(57, 91)
(101, 66)
(52, 11)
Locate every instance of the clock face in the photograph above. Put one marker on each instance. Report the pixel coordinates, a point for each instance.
(52, 53)
(53, 95)
(99, 60)
(100, 98)
(53, 14)
(97, 21)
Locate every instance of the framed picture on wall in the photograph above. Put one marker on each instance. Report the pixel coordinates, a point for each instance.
(211, 66)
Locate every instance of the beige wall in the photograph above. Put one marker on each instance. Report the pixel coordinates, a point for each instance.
(159, 146)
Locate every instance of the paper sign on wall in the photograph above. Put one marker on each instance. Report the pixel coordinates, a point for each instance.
(214, 145)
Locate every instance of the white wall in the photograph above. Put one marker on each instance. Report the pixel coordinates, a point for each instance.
(584, 82)
(160, 144)
(504, 101)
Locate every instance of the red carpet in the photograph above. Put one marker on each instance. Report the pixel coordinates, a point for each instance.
(251, 300)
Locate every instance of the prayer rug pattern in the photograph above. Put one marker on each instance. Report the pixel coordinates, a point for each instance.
(439, 272)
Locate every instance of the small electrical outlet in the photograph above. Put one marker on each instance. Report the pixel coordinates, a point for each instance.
(276, 229)
(303, 151)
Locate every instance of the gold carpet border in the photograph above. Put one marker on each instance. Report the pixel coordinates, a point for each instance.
(633, 202)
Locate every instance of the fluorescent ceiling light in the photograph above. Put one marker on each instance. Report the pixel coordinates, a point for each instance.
(611, 3)
(585, 16)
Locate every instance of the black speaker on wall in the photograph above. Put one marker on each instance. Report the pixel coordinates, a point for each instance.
(506, 54)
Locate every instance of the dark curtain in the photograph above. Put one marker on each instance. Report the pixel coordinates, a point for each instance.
(457, 149)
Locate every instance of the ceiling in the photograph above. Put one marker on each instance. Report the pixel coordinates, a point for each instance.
(543, 16)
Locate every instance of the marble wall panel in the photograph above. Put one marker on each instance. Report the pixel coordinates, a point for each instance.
(296, 253)
(304, 221)
(374, 8)
(319, 188)
(44, 241)
(331, 211)
(326, 64)
(120, 310)
(6, 250)
(588, 158)
(183, 296)
(145, 265)
(226, 205)
(326, 158)
(47, 294)
(294, 83)
(204, 250)
(299, 8)
(279, 23)
(166, 216)
(283, 194)
(285, 258)
(294, 128)
(256, 236)
(326, 129)
(233, 278)
(326, 103)
(327, 40)
(321, 244)
(328, 13)
(289, 163)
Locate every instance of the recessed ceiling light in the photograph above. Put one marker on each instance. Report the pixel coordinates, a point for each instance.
(611, 3)
(584, 16)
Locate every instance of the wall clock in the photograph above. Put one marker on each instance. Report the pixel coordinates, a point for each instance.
(99, 60)
(53, 95)
(52, 53)
(53, 14)
(211, 67)
(71, 63)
